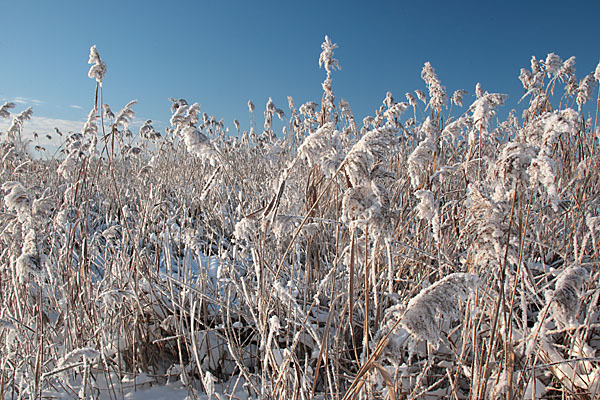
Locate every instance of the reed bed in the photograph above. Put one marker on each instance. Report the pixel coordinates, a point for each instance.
(429, 251)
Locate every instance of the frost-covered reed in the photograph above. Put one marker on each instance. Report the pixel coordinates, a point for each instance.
(435, 250)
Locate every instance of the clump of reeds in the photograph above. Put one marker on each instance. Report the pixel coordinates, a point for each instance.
(434, 253)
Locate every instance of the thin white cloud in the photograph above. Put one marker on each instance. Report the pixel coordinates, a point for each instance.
(26, 100)
(75, 106)
(135, 124)
(44, 126)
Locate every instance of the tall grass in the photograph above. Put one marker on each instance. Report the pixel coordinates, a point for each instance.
(418, 255)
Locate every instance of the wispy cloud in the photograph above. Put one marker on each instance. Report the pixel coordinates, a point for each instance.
(44, 126)
(26, 100)
(76, 107)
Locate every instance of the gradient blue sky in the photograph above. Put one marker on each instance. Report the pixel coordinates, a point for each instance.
(223, 53)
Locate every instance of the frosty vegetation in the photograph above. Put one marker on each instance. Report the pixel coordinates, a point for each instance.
(428, 251)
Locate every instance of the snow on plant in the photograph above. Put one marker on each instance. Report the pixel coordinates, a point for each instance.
(124, 116)
(185, 119)
(292, 264)
(4, 113)
(395, 111)
(483, 110)
(419, 160)
(346, 113)
(148, 132)
(457, 97)
(512, 166)
(439, 301)
(437, 92)
(17, 199)
(564, 299)
(585, 89)
(367, 153)
(98, 68)
(271, 110)
(456, 128)
(429, 211)
(366, 204)
(330, 64)
(16, 127)
(487, 217)
(323, 147)
(326, 59)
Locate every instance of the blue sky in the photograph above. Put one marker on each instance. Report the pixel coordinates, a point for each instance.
(221, 53)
